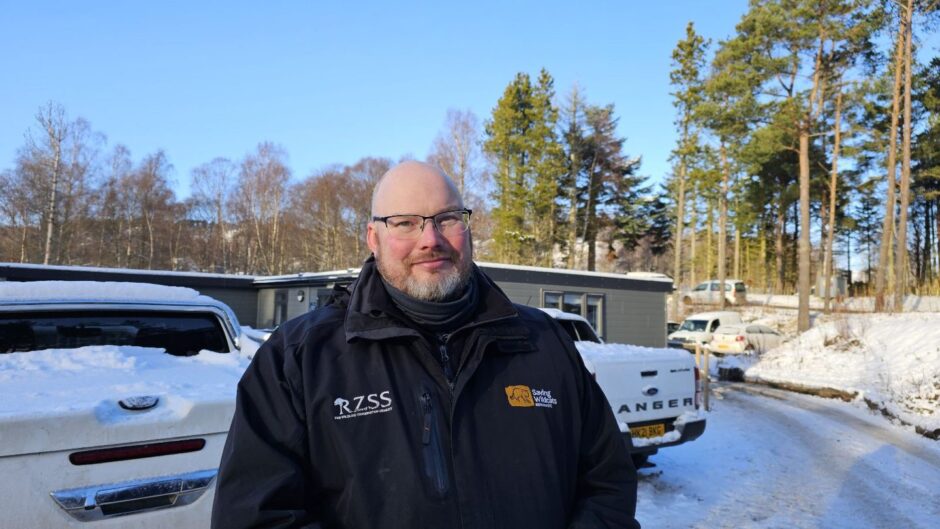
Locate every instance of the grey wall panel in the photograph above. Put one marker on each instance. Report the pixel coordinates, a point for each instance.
(522, 293)
(630, 316)
(243, 302)
(265, 319)
(637, 318)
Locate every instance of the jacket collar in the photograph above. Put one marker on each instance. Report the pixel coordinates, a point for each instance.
(372, 315)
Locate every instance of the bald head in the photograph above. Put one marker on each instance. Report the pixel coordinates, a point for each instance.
(414, 188)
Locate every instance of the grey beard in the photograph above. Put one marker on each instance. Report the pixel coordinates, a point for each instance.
(449, 285)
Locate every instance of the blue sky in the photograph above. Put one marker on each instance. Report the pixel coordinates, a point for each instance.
(332, 81)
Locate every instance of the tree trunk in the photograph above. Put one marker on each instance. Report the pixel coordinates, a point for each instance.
(51, 205)
(693, 224)
(677, 240)
(887, 230)
(780, 254)
(900, 283)
(804, 258)
(709, 235)
(833, 184)
(723, 226)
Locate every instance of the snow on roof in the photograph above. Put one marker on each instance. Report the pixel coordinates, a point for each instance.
(94, 290)
(597, 351)
(330, 274)
(639, 276)
(560, 315)
(135, 271)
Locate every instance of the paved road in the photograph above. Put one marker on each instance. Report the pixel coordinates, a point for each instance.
(773, 459)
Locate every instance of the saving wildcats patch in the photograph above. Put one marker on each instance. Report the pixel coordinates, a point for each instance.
(526, 397)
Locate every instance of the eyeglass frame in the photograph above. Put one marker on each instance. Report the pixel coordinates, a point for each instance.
(425, 219)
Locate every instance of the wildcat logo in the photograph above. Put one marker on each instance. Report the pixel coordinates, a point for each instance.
(519, 396)
(361, 405)
(526, 397)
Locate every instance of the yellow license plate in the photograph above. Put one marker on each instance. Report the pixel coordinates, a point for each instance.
(653, 430)
(722, 346)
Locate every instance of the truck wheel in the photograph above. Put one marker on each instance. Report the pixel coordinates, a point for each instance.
(687, 300)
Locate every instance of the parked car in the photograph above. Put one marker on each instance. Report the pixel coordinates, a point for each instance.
(743, 339)
(115, 402)
(698, 329)
(654, 393)
(709, 293)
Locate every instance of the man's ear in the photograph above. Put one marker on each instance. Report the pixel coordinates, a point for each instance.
(372, 238)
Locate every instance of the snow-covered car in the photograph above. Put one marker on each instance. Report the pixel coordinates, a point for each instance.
(655, 393)
(743, 339)
(115, 401)
(698, 329)
(709, 292)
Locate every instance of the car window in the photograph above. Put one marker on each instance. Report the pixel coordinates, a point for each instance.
(739, 287)
(754, 329)
(768, 330)
(181, 334)
(579, 331)
(693, 325)
(585, 332)
(714, 325)
(701, 287)
(714, 287)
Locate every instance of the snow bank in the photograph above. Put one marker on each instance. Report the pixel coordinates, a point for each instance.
(890, 360)
(53, 381)
(98, 290)
(858, 304)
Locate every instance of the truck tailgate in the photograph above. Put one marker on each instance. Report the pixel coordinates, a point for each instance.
(643, 384)
(112, 435)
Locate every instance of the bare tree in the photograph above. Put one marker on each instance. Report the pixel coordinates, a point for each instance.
(212, 184)
(456, 150)
(259, 206)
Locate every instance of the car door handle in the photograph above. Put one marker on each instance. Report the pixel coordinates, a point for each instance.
(104, 501)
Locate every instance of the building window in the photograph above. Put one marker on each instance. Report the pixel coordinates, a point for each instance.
(588, 306)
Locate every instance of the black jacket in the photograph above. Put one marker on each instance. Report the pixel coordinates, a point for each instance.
(345, 420)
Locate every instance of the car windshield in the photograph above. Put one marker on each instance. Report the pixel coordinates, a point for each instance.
(739, 287)
(579, 331)
(693, 325)
(180, 334)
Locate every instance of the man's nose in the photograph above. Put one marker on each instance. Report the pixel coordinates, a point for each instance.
(430, 237)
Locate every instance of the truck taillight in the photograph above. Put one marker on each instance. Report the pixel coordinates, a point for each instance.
(122, 453)
(739, 338)
(698, 387)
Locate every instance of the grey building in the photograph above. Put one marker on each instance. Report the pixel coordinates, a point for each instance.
(624, 308)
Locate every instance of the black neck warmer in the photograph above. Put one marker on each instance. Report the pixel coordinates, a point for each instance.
(436, 316)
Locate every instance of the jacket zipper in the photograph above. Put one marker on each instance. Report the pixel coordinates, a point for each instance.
(445, 360)
(435, 467)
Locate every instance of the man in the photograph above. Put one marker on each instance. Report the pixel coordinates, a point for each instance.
(422, 397)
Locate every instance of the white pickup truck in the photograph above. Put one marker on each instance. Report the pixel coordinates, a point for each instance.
(655, 393)
(115, 401)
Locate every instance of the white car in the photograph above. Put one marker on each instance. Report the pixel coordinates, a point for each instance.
(698, 329)
(115, 401)
(709, 293)
(743, 339)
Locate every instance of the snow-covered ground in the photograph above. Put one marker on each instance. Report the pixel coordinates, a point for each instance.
(855, 304)
(770, 459)
(890, 360)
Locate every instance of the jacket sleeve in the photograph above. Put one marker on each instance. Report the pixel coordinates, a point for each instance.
(607, 479)
(264, 477)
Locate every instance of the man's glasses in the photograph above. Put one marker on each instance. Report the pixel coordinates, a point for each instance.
(448, 223)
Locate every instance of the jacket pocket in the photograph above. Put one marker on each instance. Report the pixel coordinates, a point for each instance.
(432, 447)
